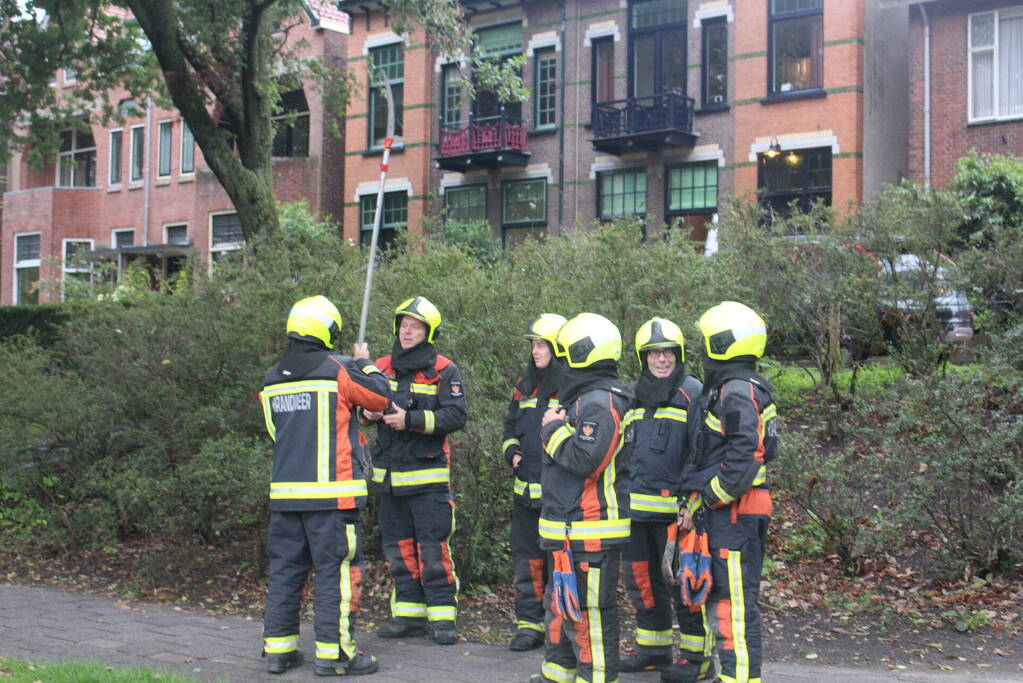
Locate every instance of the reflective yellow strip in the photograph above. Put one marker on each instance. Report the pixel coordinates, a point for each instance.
(633, 415)
(437, 475)
(519, 487)
(312, 489)
(729, 679)
(347, 642)
(327, 650)
(370, 369)
(694, 503)
(715, 486)
(408, 609)
(669, 413)
(761, 476)
(609, 476)
(322, 437)
(596, 625)
(280, 645)
(692, 643)
(379, 473)
(653, 638)
(308, 386)
(428, 389)
(580, 531)
(713, 423)
(394, 384)
(527, 402)
(271, 428)
(508, 443)
(770, 412)
(529, 625)
(556, 672)
(428, 422)
(551, 529)
(554, 403)
(441, 612)
(738, 615)
(648, 503)
(535, 490)
(563, 432)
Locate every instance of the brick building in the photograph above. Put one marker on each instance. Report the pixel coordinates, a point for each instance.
(966, 76)
(141, 190)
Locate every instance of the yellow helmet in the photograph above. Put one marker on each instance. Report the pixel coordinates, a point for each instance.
(315, 317)
(546, 326)
(658, 333)
(420, 308)
(731, 329)
(589, 338)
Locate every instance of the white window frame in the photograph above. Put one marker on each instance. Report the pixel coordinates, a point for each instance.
(115, 231)
(131, 154)
(70, 77)
(177, 224)
(170, 147)
(75, 149)
(110, 157)
(26, 263)
(226, 246)
(64, 268)
(181, 151)
(1010, 12)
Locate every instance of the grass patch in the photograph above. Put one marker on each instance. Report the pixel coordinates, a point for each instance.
(81, 672)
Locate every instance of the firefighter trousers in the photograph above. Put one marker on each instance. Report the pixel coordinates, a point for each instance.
(416, 530)
(737, 543)
(530, 564)
(327, 541)
(586, 650)
(655, 601)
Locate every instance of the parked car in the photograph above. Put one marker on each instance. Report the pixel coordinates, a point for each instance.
(912, 278)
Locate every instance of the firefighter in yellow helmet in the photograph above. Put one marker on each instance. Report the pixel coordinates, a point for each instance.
(534, 392)
(412, 468)
(736, 437)
(658, 446)
(318, 485)
(584, 503)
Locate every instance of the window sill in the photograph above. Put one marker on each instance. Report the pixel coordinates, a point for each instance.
(135, 185)
(550, 130)
(163, 181)
(712, 109)
(993, 122)
(379, 151)
(811, 94)
(114, 188)
(186, 178)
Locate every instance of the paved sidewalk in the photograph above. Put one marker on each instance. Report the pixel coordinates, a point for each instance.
(38, 624)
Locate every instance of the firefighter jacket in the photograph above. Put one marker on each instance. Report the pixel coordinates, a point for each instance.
(736, 435)
(522, 437)
(418, 458)
(320, 458)
(657, 441)
(585, 481)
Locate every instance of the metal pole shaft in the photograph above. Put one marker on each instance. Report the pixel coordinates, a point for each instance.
(377, 220)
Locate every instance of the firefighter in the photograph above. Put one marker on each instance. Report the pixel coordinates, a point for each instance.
(412, 467)
(736, 436)
(584, 502)
(318, 485)
(535, 391)
(657, 439)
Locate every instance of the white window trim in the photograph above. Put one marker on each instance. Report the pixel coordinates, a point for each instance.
(697, 156)
(540, 41)
(471, 178)
(372, 187)
(110, 157)
(69, 81)
(226, 246)
(27, 263)
(597, 31)
(461, 60)
(181, 152)
(382, 39)
(115, 231)
(705, 13)
(794, 143)
(71, 153)
(175, 224)
(131, 154)
(531, 173)
(1010, 12)
(170, 147)
(64, 269)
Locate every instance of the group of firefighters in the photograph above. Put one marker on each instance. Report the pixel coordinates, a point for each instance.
(603, 472)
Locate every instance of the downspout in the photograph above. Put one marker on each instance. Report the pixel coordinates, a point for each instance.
(147, 166)
(561, 128)
(927, 99)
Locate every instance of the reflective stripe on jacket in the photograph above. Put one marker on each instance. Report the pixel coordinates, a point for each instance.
(319, 455)
(522, 437)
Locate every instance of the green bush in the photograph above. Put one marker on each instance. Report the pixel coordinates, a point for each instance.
(44, 321)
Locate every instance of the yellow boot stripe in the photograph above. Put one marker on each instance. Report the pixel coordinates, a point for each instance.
(738, 615)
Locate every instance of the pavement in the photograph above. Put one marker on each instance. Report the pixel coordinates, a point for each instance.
(41, 625)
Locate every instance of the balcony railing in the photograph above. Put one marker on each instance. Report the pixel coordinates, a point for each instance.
(490, 141)
(653, 121)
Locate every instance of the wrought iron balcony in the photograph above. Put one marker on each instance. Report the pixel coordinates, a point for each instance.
(489, 142)
(651, 122)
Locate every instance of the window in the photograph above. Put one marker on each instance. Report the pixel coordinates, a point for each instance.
(996, 65)
(714, 62)
(466, 203)
(545, 85)
(802, 175)
(657, 49)
(75, 267)
(70, 76)
(602, 77)
(291, 126)
(395, 215)
(621, 193)
(138, 153)
(451, 94)
(177, 234)
(693, 188)
(163, 163)
(122, 238)
(76, 160)
(795, 46)
(26, 268)
(388, 62)
(225, 235)
(498, 43)
(524, 203)
(187, 149)
(114, 160)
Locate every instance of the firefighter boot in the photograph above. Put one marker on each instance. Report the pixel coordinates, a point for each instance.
(444, 633)
(637, 661)
(526, 639)
(688, 671)
(402, 629)
(359, 665)
(279, 663)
